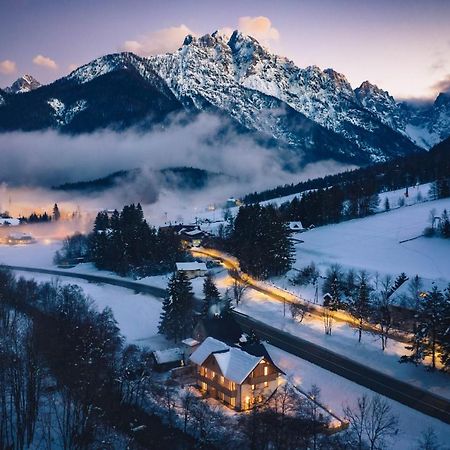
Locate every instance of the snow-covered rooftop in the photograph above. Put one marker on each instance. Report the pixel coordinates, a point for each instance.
(169, 355)
(234, 363)
(193, 232)
(20, 236)
(190, 342)
(194, 265)
(295, 226)
(9, 221)
(208, 346)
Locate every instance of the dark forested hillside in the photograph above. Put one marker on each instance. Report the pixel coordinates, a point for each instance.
(421, 167)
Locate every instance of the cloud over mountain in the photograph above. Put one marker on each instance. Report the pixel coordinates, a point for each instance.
(157, 42)
(8, 67)
(45, 61)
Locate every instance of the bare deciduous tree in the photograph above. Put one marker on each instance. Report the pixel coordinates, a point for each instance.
(239, 287)
(298, 311)
(428, 440)
(327, 317)
(382, 301)
(371, 420)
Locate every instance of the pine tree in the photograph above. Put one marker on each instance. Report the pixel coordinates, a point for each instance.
(261, 241)
(177, 314)
(226, 304)
(444, 225)
(211, 296)
(387, 206)
(360, 303)
(444, 331)
(429, 325)
(333, 282)
(56, 214)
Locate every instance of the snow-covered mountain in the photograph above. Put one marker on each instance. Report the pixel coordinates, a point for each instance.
(308, 110)
(425, 124)
(26, 83)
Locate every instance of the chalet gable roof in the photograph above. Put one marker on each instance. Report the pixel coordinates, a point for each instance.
(235, 364)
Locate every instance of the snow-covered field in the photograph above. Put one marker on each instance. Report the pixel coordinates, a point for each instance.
(137, 315)
(374, 244)
(337, 392)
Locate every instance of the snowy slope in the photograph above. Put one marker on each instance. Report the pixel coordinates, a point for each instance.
(222, 72)
(379, 246)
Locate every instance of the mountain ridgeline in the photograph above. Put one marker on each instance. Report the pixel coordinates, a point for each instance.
(181, 178)
(313, 113)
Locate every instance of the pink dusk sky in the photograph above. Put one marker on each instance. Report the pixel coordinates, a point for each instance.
(403, 46)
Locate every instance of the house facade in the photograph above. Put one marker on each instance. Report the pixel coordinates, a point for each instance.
(192, 269)
(238, 379)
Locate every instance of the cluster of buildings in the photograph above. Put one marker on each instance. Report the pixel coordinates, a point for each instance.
(224, 365)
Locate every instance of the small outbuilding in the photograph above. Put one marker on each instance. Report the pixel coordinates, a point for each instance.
(296, 227)
(9, 222)
(168, 359)
(192, 269)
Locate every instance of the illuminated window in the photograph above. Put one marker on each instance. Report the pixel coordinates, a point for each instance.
(212, 374)
(266, 383)
(253, 387)
(222, 380)
(266, 370)
(233, 386)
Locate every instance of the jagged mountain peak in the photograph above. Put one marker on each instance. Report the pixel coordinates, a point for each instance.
(25, 83)
(369, 89)
(307, 109)
(443, 99)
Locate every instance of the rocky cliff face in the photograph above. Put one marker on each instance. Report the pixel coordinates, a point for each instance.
(26, 83)
(308, 110)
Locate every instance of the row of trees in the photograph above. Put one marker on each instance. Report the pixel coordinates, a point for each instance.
(126, 244)
(42, 218)
(425, 314)
(332, 205)
(260, 239)
(423, 167)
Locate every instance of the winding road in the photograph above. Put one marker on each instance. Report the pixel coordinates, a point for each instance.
(281, 295)
(411, 396)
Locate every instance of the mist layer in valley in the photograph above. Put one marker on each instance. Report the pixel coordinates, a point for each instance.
(33, 163)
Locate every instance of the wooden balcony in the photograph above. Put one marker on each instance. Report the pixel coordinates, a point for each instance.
(215, 383)
(263, 378)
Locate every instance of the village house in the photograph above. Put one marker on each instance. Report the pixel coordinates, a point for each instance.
(192, 238)
(6, 221)
(17, 239)
(295, 227)
(233, 376)
(192, 269)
